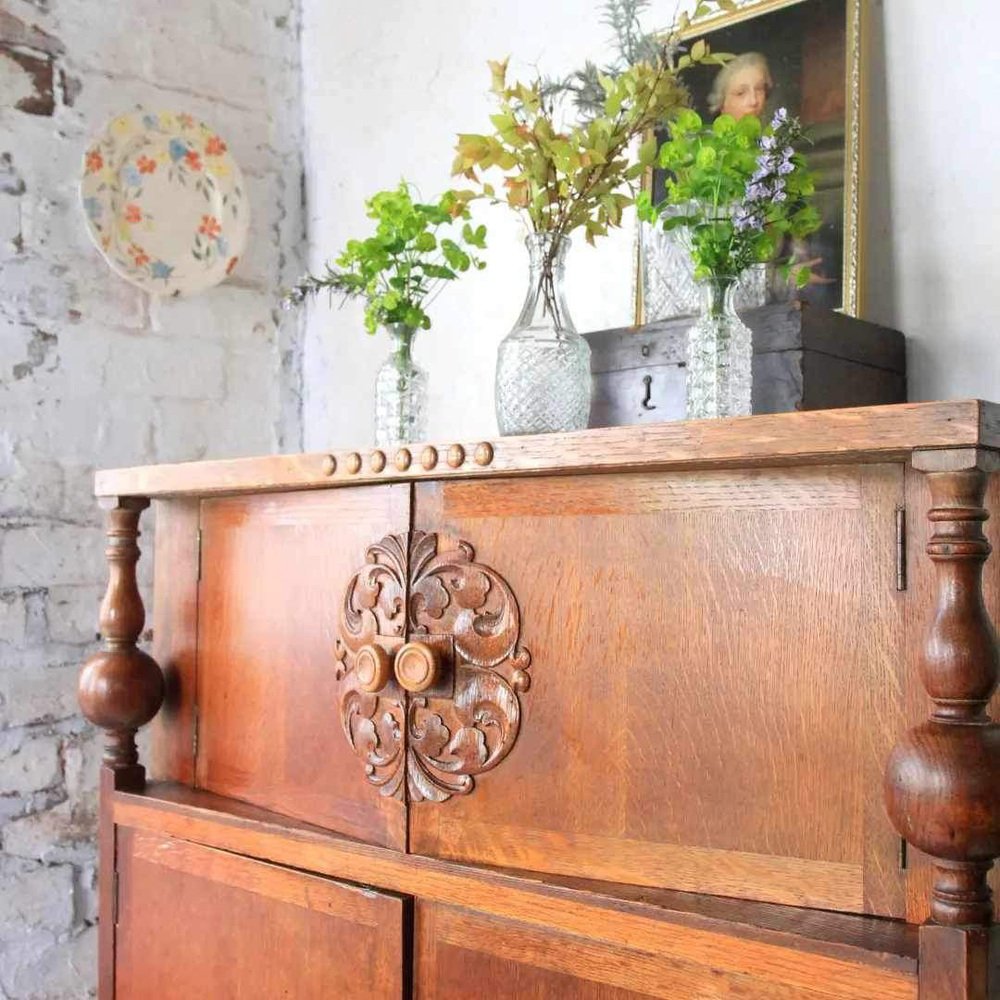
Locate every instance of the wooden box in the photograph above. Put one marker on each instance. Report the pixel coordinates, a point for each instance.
(805, 358)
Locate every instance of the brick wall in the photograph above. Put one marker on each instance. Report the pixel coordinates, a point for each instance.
(94, 373)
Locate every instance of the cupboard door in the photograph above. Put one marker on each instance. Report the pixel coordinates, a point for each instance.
(715, 678)
(460, 953)
(197, 922)
(275, 569)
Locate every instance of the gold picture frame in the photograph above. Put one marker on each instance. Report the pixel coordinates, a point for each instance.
(855, 47)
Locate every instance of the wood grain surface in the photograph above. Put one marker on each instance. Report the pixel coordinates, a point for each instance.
(772, 943)
(715, 660)
(869, 434)
(457, 950)
(175, 638)
(227, 926)
(921, 599)
(274, 573)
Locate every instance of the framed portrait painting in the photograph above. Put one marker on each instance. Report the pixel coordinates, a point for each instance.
(806, 56)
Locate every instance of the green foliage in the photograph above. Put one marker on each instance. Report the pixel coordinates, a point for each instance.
(415, 249)
(725, 194)
(578, 177)
(582, 176)
(633, 45)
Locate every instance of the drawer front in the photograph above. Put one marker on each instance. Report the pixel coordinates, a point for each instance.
(197, 922)
(274, 573)
(715, 678)
(460, 953)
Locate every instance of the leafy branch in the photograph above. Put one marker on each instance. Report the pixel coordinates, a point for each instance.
(417, 248)
(633, 45)
(735, 191)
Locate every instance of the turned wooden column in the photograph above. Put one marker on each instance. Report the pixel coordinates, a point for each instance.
(121, 687)
(943, 778)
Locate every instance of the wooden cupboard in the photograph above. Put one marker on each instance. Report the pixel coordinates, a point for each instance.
(603, 714)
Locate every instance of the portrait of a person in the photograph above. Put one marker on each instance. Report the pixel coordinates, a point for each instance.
(793, 57)
(742, 87)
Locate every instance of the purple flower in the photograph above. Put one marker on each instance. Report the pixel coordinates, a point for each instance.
(780, 196)
(780, 117)
(768, 142)
(785, 167)
(746, 219)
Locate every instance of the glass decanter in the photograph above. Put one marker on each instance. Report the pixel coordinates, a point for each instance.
(543, 365)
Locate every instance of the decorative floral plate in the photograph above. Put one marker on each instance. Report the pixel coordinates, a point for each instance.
(165, 202)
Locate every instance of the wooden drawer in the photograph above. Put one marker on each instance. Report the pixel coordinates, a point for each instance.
(457, 952)
(197, 922)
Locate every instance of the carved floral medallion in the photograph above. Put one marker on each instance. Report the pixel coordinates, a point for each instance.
(450, 710)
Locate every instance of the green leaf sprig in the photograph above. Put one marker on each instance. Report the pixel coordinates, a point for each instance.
(578, 177)
(735, 190)
(417, 248)
(633, 44)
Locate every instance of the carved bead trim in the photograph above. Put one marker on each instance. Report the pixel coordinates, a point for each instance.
(434, 746)
(429, 457)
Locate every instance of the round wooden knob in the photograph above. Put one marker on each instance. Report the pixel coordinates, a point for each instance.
(417, 666)
(373, 667)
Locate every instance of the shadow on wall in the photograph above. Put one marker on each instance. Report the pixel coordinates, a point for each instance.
(880, 294)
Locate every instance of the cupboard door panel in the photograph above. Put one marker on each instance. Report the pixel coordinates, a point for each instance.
(715, 681)
(197, 922)
(460, 953)
(275, 569)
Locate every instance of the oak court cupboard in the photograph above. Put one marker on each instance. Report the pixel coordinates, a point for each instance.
(695, 709)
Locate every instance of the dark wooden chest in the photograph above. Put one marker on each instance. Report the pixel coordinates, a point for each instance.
(805, 358)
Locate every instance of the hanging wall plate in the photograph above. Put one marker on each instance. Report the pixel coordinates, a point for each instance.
(165, 202)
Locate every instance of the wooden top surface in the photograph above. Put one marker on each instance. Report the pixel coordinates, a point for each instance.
(863, 434)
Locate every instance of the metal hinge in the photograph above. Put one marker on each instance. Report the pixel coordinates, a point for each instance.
(114, 898)
(199, 554)
(900, 548)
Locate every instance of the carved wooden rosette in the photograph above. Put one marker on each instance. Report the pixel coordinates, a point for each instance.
(943, 778)
(461, 717)
(121, 687)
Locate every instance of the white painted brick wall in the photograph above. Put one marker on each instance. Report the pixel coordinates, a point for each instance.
(95, 374)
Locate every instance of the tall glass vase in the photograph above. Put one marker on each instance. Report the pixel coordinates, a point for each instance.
(543, 364)
(719, 355)
(400, 393)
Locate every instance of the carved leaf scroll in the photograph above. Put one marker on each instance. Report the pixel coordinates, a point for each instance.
(373, 608)
(448, 741)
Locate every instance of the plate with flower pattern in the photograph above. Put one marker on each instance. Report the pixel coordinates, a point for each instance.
(165, 202)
